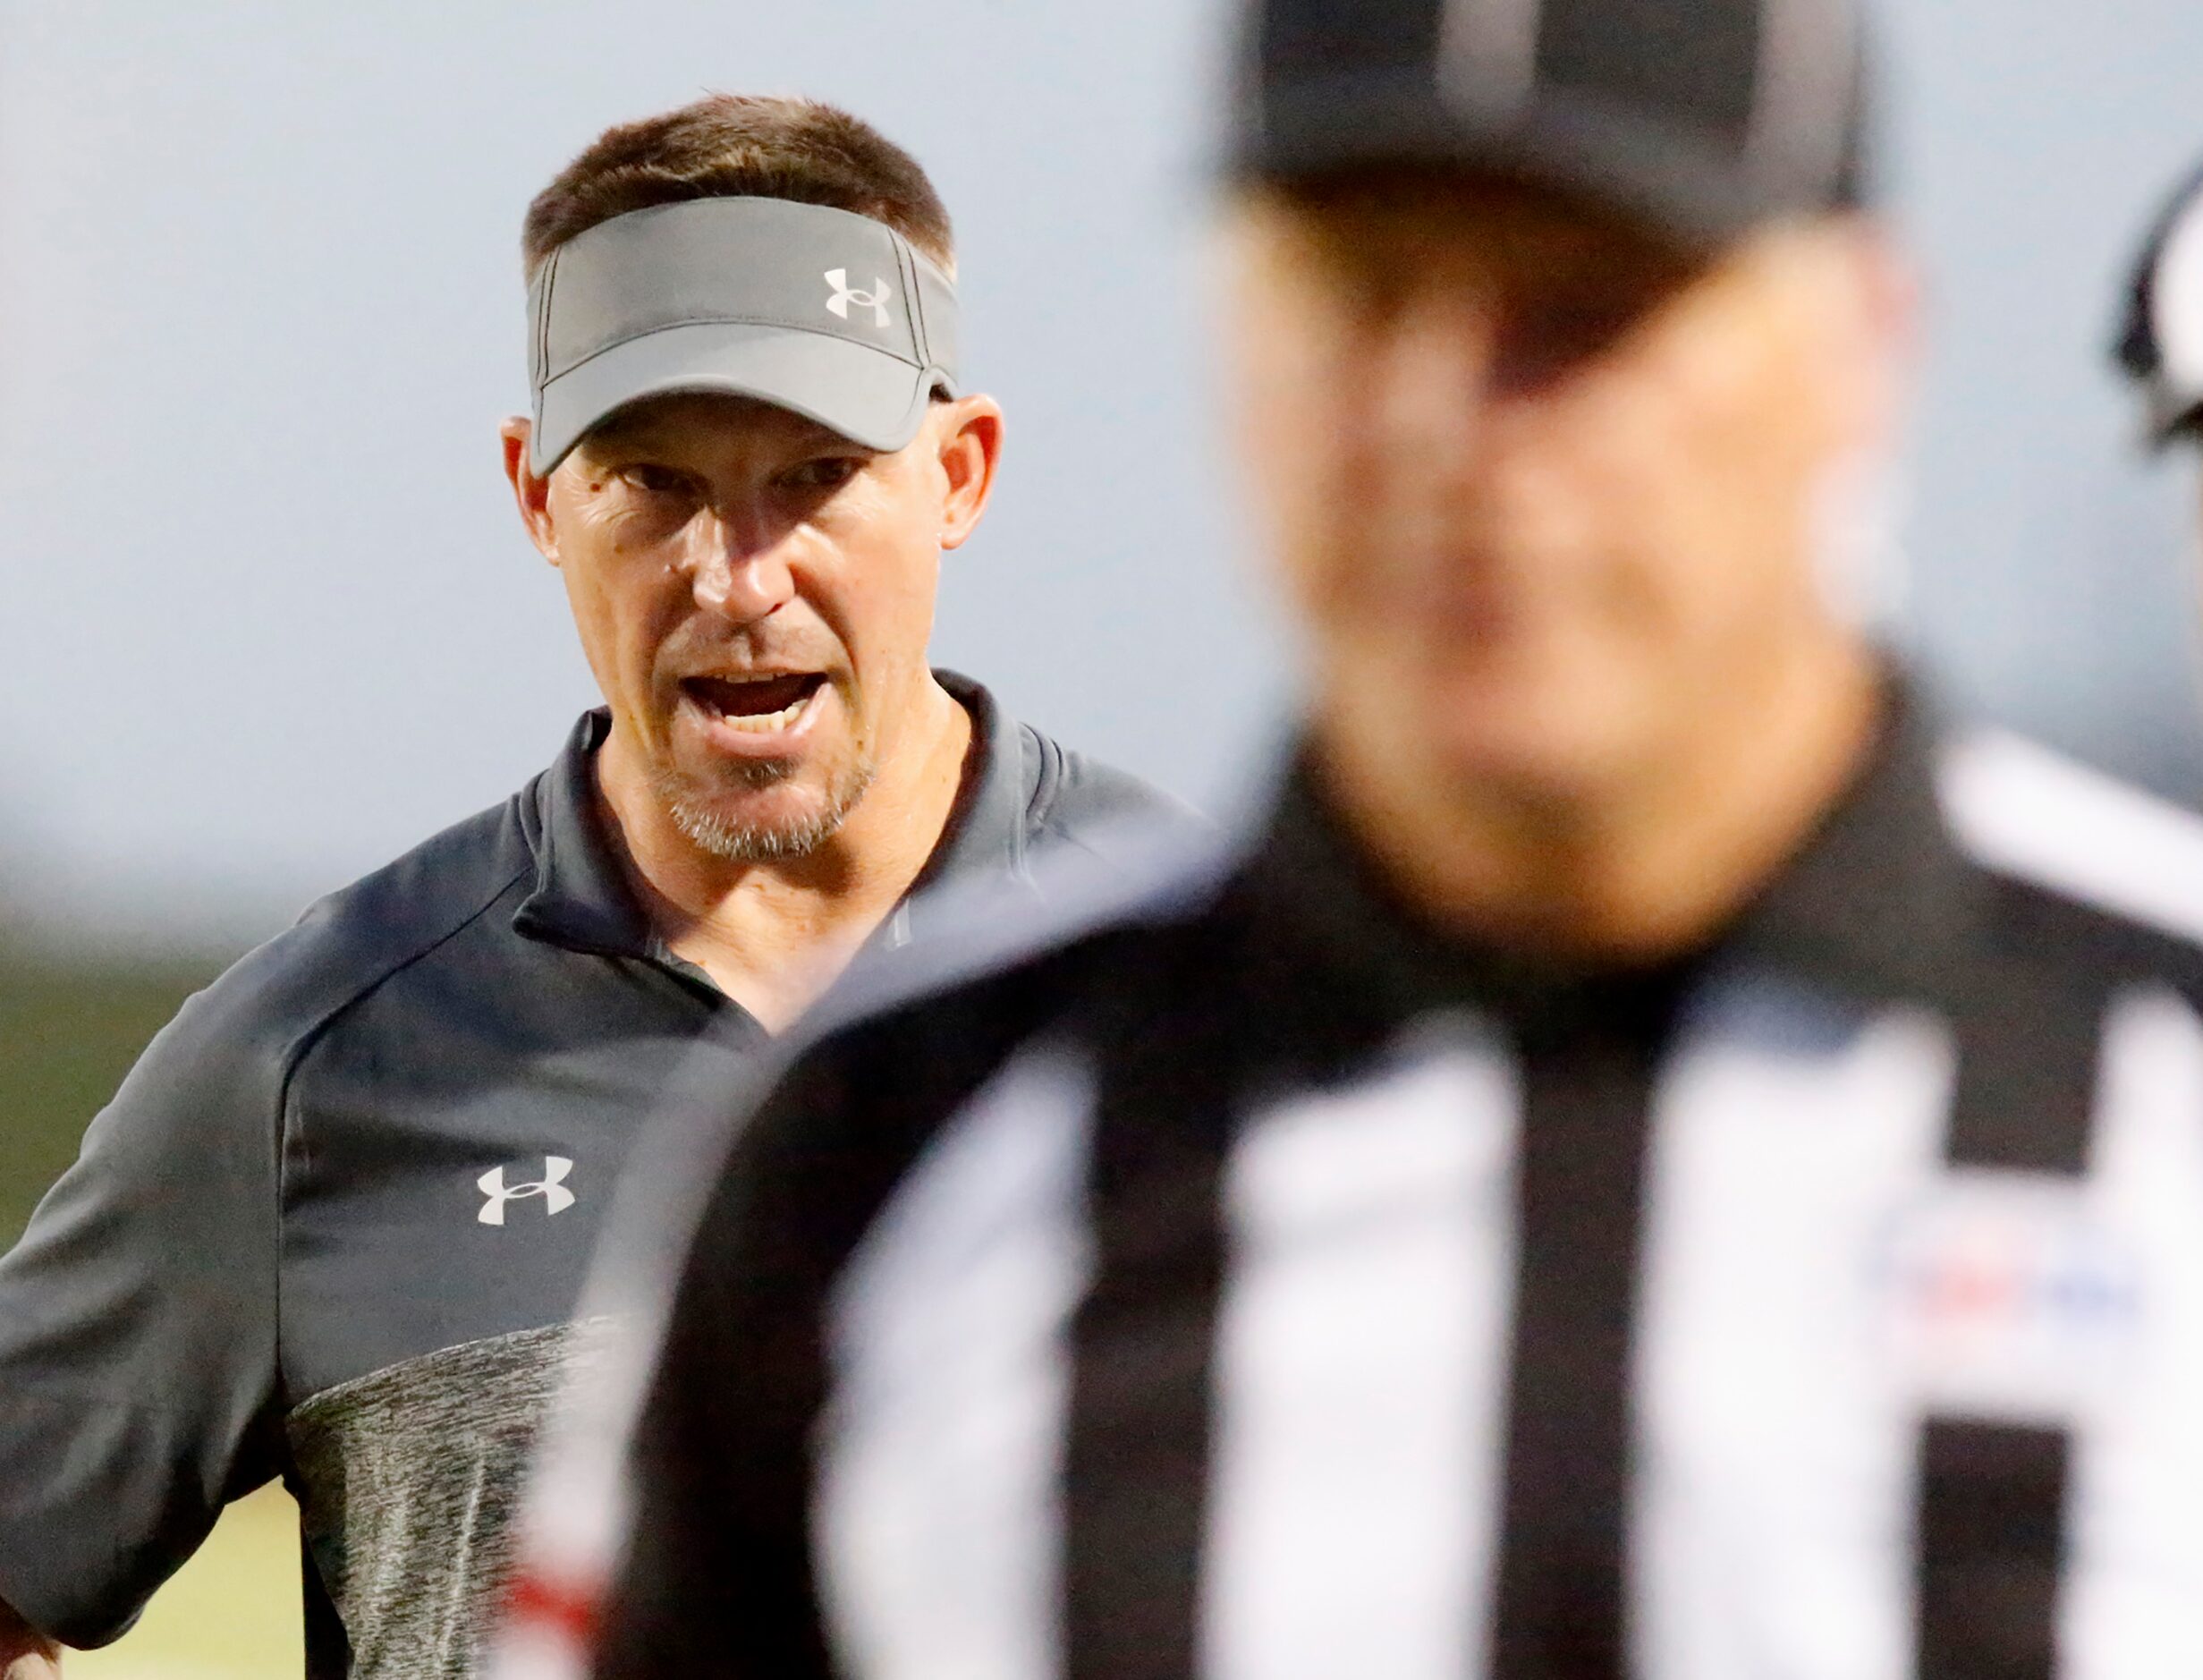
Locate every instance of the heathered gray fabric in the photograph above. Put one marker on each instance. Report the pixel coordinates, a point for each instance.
(407, 1480)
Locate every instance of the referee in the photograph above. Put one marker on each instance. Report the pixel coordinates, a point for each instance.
(1650, 1156)
(334, 1226)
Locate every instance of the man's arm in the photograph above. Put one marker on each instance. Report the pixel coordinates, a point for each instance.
(138, 1335)
(25, 1653)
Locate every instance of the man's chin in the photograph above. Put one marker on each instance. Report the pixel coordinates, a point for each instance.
(730, 830)
(1533, 752)
(749, 814)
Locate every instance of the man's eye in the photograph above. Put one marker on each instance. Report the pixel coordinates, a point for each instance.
(828, 472)
(1548, 339)
(656, 480)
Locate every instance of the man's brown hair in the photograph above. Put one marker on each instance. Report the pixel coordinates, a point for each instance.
(741, 146)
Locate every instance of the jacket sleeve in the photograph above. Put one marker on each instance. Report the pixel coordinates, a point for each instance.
(138, 1327)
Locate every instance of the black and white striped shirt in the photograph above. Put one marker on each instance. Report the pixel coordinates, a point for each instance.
(1243, 1283)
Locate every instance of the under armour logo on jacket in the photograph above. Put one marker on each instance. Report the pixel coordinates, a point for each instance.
(551, 1187)
(877, 300)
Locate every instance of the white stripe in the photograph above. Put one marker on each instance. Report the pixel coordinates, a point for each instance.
(2136, 1532)
(1362, 1376)
(1773, 1493)
(2024, 810)
(938, 1507)
(1487, 54)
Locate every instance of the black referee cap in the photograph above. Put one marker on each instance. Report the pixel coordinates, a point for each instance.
(2161, 347)
(1704, 116)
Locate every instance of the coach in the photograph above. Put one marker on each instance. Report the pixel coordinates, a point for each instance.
(1650, 1157)
(334, 1226)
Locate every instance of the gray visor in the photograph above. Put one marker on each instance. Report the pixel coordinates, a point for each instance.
(832, 315)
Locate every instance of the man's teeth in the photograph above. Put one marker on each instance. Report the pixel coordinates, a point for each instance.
(766, 723)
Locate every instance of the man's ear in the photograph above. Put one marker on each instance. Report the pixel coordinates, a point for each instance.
(530, 494)
(1879, 348)
(970, 434)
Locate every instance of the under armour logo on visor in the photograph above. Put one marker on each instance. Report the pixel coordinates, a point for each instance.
(877, 300)
(551, 1187)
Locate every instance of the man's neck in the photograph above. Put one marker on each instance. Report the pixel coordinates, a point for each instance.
(1651, 868)
(774, 934)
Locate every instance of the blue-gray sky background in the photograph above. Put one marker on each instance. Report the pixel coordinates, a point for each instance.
(266, 615)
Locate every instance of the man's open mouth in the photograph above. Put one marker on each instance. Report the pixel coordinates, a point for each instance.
(759, 705)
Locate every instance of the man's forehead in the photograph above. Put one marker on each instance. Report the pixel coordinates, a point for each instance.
(693, 418)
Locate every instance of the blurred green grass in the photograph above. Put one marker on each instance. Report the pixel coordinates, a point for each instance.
(69, 1030)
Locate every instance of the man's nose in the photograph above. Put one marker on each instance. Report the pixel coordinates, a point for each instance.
(738, 569)
(1432, 376)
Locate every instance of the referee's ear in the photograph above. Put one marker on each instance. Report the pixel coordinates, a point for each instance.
(968, 431)
(1874, 341)
(530, 494)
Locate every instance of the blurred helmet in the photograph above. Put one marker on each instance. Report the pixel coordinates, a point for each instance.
(2161, 348)
(1704, 118)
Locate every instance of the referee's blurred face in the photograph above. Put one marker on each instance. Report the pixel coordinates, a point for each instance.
(1549, 492)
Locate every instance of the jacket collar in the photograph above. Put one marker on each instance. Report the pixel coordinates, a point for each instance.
(581, 899)
(986, 832)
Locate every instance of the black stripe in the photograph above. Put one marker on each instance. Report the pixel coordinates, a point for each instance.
(1695, 61)
(1586, 1120)
(1991, 1521)
(1136, 1456)
(1990, 1524)
(2028, 1047)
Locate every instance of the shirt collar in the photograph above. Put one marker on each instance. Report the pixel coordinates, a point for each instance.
(1878, 902)
(987, 829)
(581, 899)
